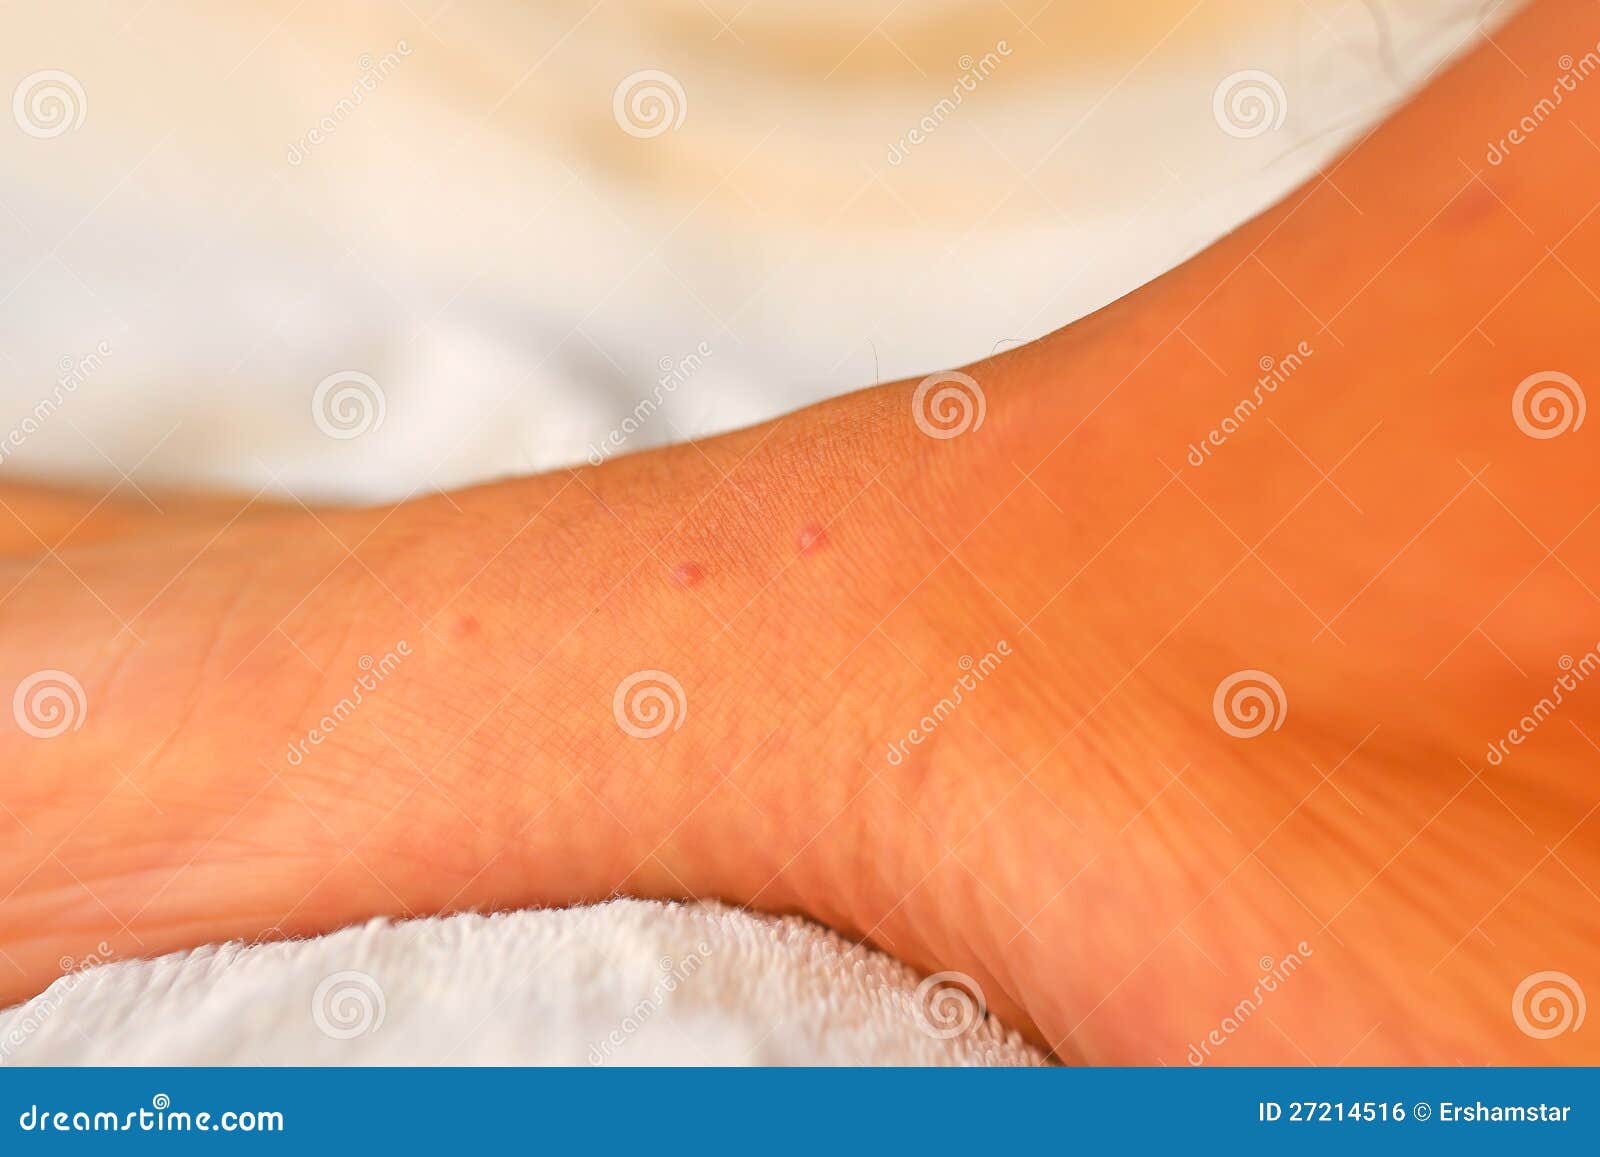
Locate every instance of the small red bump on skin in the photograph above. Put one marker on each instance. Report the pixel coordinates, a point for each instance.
(1476, 202)
(466, 626)
(687, 574)
(812, 537)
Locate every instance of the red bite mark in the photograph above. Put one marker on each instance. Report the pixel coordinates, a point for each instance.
(811, 537)
(1473, 204)
(465, 627)
(687, 574)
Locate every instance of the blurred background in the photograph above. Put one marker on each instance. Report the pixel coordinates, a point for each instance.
(367, 250)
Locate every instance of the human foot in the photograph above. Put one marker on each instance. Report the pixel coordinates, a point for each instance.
(1085, 835)
(1392, 542)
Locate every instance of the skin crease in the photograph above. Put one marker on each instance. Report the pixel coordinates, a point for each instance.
(1113, 869)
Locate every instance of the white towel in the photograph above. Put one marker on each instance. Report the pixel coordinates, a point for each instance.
(629, 982)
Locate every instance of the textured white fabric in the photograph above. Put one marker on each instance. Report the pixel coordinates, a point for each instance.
(516, 276)
(629, 982)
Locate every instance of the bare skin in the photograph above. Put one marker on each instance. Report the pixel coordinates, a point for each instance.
(1081, 836)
